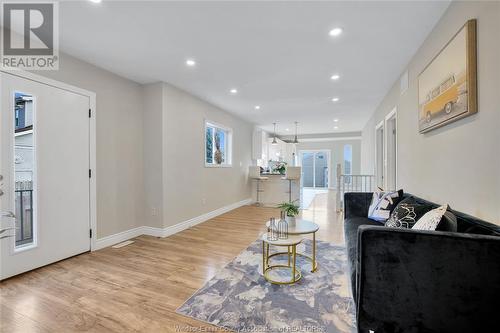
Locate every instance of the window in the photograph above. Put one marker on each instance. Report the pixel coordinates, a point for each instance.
(218, 140)
(348, 162)
(24, 164)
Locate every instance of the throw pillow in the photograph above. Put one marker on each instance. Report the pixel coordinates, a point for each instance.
(448, 222)
(382, 204)
(431, 219)
(407, 213)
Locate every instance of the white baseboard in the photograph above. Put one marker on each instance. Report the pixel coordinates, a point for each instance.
(117, 238)
(168, 231)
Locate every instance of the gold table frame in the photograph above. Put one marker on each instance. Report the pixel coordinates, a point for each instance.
(297, 231)
(291, 244)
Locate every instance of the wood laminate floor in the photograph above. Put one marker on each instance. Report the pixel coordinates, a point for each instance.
(139, 287)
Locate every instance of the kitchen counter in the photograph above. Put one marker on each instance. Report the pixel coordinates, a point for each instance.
(275, 190)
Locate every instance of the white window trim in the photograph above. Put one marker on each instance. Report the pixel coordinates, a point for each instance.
(229, 145)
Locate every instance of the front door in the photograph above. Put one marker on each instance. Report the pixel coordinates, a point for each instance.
(44, 167)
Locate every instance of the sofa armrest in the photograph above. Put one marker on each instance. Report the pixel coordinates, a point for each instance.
(356, 204)
(426, 281)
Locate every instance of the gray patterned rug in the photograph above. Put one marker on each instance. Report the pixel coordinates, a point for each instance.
(238, 297)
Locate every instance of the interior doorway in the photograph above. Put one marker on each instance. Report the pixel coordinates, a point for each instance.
(379, 155)
(391, 150)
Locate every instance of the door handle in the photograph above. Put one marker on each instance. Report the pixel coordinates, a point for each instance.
(8, 214)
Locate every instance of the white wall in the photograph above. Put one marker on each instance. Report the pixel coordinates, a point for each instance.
(367, 164)
(178, 186)
(153, 154)
(150, 151)
(120, 186)
(190, 188)
(459, 163)
(336, 149)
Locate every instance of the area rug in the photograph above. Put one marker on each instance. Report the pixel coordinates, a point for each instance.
(238, 298)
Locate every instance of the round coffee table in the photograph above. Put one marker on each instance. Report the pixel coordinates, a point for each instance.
(302, 227)
(291, 243)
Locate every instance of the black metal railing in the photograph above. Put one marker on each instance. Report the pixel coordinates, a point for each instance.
(24, 213)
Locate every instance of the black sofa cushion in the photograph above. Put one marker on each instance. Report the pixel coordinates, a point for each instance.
(407, 213)
(448, 222)
(351, 239)
(466, 223)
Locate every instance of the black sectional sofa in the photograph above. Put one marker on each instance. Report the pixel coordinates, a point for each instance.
(405, 280)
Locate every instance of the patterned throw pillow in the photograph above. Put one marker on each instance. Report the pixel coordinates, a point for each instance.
(431, 219)
(382, 204)
(407, 213)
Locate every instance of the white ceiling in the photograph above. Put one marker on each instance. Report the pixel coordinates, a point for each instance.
(277, 54)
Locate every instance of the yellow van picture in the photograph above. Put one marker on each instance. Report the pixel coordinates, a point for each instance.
(445, 97)
(447, 86)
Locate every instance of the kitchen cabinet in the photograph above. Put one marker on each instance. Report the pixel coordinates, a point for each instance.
(263, 150)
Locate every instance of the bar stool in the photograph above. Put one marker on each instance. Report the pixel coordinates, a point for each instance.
(292, 173)
(254, 173)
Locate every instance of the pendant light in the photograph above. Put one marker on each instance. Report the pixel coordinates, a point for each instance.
(295, 140)
(274, 138)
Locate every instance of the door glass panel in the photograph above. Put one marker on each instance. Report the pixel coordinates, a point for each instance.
(308, 169)
(321, 170)
(315, 169)
(24, 161)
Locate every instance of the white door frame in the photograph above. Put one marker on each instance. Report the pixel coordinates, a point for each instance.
(388, 117)
(329, 156)
(92, 138)
(380, 125)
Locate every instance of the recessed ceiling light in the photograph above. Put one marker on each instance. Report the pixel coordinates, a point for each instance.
(335, 99)
(336, 120)
(336, 127)
(233, 91)
(287, 129)
(335, 77)
(190, 62)
(335, 32)
(257, 107)
(95, 1)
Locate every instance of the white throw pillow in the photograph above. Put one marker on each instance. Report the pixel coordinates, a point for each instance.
(382, 204)
(431, 219)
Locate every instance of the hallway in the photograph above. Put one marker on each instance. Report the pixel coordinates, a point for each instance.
(139, 286)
